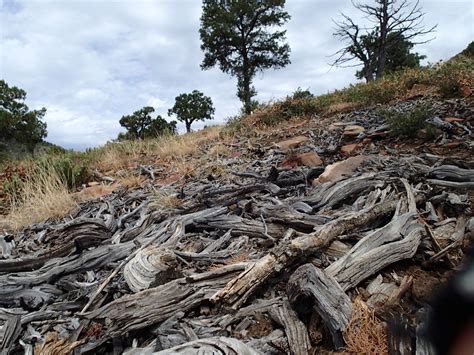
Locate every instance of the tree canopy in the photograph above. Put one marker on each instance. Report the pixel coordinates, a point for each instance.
(192, 107)
(17, 121)
(386, 44)
(239, 37)
(141, 125)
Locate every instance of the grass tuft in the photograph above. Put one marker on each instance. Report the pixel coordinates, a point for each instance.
(44, 195)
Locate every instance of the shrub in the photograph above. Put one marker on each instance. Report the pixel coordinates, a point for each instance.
(234, 125)
(70, 167)
(407, 124)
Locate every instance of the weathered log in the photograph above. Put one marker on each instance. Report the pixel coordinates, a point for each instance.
(209, 346)
(282, 255)
(75, 236)
(156, 304)
(396, 241)
(151, 265)
(296, 332)
(307, 285)
(452, 173)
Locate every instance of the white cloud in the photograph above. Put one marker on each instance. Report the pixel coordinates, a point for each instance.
(90, 62)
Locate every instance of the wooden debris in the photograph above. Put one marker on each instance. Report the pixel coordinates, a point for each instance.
(245, 257)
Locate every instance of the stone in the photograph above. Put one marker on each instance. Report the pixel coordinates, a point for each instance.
(292, 142)
(454, 144)
(349, 149)
(353, 130)
(309, 159)
(92, 192)
(453, 119)
(340, 169)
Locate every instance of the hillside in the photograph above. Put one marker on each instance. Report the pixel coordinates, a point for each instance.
(303, 228)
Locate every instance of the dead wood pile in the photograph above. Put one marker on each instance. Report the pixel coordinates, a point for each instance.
(274, 260)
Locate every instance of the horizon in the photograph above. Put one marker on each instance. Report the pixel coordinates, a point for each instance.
(89, 68)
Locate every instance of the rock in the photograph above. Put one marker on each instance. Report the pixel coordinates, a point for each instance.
(353, 130)
(454, 144)
(340, 125)
(309, 159)
(292, 142)
(349, 149)
(92, 192)
(337, 171)
(453, 119)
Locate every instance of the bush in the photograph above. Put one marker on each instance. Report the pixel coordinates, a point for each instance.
(70, 167)
(408, 124)
(234, 125)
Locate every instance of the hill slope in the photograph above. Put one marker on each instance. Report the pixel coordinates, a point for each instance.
(300, 228)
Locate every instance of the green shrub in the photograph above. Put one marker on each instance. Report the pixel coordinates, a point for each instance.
(71, 168)
(407, 124)
(233, 126)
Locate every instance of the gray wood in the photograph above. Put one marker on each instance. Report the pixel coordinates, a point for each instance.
(330, 301)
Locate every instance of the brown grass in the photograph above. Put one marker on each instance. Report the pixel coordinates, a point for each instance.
(365, 334)
(128, 154)
(164, 200)
(44, 195)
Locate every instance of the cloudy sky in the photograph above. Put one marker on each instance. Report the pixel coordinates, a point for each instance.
(91, 61)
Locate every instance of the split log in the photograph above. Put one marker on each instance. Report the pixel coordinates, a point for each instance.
(295, 329)
(310, 285)
(396, 241)
(151, 265)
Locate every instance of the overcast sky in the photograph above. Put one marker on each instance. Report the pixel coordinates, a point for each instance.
(91, 61)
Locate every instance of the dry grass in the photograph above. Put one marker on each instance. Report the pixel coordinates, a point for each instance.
(44, 195)
(132, 181)
(164, 200)
(365, 334)
(127, 154)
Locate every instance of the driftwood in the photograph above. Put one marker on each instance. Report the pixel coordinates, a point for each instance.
(307, 285)
(154, 305)
(263, 260)
(296, 332)
(239, 289)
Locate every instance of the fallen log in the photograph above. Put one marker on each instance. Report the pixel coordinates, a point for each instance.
(311, 286)
(156, 304)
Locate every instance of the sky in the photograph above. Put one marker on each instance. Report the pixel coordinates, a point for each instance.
(89, 62)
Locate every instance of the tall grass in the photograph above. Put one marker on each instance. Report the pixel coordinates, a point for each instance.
(43, 195)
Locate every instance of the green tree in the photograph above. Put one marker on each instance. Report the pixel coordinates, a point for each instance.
(17, 121)
(399, 55)
(141, 125)
(239, 37)
(192, 107)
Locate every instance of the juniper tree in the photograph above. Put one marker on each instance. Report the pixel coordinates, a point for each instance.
(192, 107)
(239, 37)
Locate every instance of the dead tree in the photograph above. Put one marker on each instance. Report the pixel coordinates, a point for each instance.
(392, 22)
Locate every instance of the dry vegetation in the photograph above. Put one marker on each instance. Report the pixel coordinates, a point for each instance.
(44, 195)
(366, 334)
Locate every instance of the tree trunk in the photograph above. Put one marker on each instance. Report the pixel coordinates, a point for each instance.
(247, 97)
(382, 53)
(188, 126)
